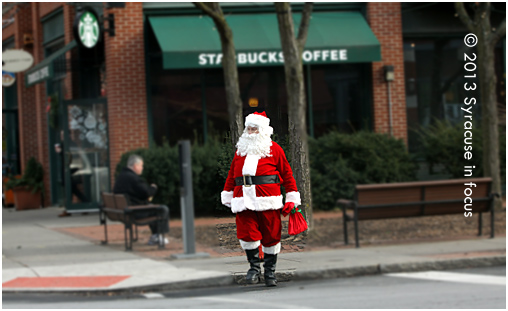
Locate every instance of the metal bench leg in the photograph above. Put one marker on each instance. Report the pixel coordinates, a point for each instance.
(345, 225)
(125, 237)
(131, 237)
(492, 219)
(480, 224)
(128, 236)
(356, 230)
(104, 222)
(136, 233)
(161, 235)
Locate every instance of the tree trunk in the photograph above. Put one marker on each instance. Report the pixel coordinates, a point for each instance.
(490, 124)
(296, 106)
(487, 39)
(229, 66)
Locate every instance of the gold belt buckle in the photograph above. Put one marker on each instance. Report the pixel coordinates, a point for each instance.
(244, 181)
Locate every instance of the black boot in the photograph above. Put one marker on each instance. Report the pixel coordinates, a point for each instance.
(270, 262)
(255, 267)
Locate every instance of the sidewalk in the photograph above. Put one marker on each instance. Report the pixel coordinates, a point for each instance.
(41, 254)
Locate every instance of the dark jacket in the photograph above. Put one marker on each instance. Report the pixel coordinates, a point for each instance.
(132, 185)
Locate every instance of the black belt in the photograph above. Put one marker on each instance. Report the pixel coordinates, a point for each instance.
(256, 180)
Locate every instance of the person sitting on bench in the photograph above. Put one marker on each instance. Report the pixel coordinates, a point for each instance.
(138, 192)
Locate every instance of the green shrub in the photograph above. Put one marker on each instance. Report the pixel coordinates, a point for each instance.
(338, 163)
(341, 161)
(32, 179)
(206, 180)
(443, 143)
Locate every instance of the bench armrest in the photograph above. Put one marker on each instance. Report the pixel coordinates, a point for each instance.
(111, 210)
(135, 208)
(346, 203)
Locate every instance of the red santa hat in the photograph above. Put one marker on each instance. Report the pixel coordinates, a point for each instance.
(259, 120)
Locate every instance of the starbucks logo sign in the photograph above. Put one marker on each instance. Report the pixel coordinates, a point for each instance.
(87, 30)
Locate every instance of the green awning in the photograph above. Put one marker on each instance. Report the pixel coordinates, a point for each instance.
(334, 37)
(44, 70)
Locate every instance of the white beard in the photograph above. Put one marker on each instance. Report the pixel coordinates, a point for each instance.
(254, 144)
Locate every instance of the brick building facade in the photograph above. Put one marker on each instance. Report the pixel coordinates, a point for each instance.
(126, 78)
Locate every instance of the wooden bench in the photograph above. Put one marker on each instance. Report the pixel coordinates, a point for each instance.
(413, 199)
(116, 208)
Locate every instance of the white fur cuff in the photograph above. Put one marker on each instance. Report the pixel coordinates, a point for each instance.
(272, 250)
(294, 197)
(226, 197)
(250, 245)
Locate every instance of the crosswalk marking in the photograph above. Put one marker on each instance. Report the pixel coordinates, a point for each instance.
(247, 302)
(153, 295)
(453, 277)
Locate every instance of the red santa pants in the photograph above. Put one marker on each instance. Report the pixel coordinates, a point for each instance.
(262, 226)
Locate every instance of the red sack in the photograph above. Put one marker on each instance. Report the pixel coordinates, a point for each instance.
(297, 223)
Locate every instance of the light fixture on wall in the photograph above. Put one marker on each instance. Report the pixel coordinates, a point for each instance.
(389, 73)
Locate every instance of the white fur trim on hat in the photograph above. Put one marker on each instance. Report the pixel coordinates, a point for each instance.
(226, 197)
(257, 120)
(250, 245)
(259, 204)
(294, 197)
(272, 250)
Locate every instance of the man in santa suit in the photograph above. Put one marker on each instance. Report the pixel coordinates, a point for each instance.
(252, 191)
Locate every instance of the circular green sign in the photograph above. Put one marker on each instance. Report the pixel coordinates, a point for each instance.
(88, 29)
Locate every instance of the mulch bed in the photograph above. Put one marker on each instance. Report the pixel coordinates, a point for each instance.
(218, 236)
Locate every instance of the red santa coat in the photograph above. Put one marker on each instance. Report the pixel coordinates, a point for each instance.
(260, 197)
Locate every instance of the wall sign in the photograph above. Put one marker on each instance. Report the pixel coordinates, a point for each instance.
(87, 29)
(8, 78)
(16, 60)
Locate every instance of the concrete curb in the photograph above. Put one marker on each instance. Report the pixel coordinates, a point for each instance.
(286, 276)
(448, 264)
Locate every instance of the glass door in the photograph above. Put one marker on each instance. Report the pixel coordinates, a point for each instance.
(86, 163)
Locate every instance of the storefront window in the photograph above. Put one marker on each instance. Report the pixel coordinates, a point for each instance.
(434, 72)
(184, 100)
(180, 97)
(339, 98)
(177, 108)
(266, 86)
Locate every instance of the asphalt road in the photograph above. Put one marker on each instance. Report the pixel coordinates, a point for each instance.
(482, 288)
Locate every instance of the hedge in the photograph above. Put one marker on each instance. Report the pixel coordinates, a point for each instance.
(338, 162)
(443, 144)
(341, 161)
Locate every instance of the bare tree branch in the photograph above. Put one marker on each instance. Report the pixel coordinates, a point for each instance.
(464, 17)
(499, 33)
(230, 69)
(213, 10)
(304, 26)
